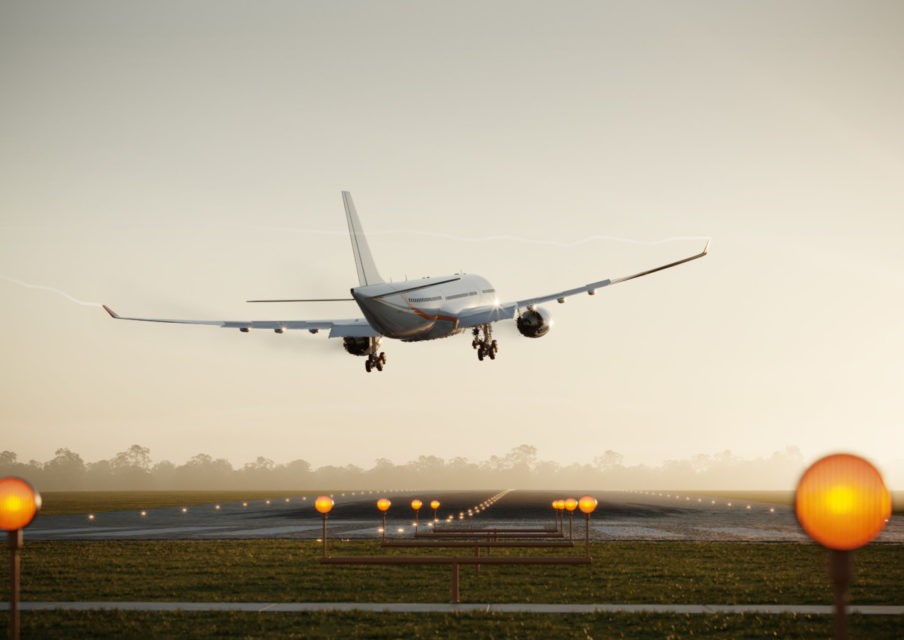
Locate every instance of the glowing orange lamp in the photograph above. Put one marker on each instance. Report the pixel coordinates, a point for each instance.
(842, 503)
(570, 504)
(434, 504)
(383, 505)
(19, 503)
(416, 505)
(324, 504)
(587, 505)
(559, 506)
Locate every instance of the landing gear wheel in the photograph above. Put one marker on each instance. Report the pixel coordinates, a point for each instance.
(382, 357)
(378, 365)
(483, 342)
(368, 365)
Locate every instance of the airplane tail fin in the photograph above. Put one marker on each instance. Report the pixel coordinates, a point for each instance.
(367, 270)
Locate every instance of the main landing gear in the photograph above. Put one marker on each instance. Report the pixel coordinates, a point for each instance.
(374, 360)
(484, 345)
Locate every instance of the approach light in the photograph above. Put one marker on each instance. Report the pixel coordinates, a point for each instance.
(587, 504)
(324, 504)
(434, 504)
(842, 502)
(571, 504)
(416, 504)
(383, 504)
(19, 503)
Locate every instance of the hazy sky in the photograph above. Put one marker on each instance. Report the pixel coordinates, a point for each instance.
(177, 158)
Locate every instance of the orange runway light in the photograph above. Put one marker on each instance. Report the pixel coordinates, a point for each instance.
(434, 504)
(587, 504)
(416, 504)
(383, 504)
(324, 504)
(19, 503)
(841, 502)
(571, 504)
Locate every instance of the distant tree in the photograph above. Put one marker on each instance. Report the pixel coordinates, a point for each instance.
(66, 471)
(609, 460)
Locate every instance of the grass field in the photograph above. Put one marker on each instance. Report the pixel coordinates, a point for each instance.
(479, 626)
(285, 571)
(288, 571)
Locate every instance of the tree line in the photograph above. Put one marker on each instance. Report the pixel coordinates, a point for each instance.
(520, 468)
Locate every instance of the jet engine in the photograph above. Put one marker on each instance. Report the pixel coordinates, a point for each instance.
(356, 346)
(534, 323)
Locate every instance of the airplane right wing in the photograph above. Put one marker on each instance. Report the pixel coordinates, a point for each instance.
(342, 328)
(505, 311)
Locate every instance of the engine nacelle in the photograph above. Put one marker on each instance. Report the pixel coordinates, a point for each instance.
(356, 346)
(534, 323)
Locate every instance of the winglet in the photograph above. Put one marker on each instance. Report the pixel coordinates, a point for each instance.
(706, 248)
(112, 313)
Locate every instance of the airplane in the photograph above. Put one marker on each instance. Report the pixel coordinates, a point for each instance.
(415, 310)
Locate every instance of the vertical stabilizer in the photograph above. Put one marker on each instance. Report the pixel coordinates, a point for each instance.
(367, 270)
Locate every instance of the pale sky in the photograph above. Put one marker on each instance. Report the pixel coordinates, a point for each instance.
(177, 158)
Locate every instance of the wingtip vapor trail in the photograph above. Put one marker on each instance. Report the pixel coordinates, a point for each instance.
(42, 287)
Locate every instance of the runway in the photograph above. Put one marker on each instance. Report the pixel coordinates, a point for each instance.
(653, 516)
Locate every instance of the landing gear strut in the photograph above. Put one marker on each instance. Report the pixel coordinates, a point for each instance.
(484, 344)
(374, 360)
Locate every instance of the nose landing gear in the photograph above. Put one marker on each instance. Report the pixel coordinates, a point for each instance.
(484, 344)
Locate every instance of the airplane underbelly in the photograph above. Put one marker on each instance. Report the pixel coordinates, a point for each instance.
(405, 323)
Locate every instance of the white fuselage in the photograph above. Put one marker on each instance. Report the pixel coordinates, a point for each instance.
(422, 309)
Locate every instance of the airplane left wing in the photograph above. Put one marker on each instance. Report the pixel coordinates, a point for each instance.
(350, 327)
(506, 311)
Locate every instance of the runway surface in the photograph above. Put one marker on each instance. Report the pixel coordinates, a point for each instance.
(619, 516)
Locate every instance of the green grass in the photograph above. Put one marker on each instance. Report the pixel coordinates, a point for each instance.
(116, 624)
(67, 502)
(288, 571)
